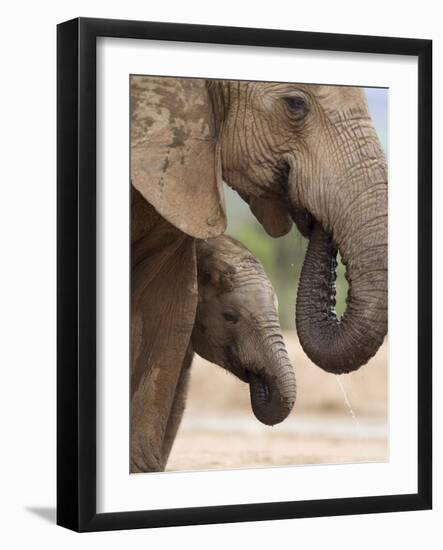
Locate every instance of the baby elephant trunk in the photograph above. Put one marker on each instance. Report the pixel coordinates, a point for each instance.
(273, 389)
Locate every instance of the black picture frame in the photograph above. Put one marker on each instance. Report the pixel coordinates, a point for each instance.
(76, 266)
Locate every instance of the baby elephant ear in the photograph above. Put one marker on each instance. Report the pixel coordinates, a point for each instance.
(222, 281)
(175, 160)
(212, 268)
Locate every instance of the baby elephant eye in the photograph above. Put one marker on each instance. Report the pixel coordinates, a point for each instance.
(230, 316)
(297, 105)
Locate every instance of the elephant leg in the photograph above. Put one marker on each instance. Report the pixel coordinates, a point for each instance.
(178, 406)
(153, 407)
(164, 300)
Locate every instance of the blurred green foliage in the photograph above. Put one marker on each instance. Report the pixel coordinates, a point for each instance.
(281, 258)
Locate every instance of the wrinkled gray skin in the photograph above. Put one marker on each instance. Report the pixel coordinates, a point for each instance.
(296, 153)
(237, 326)
(310, 154)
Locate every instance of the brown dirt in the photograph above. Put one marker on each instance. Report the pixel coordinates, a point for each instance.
(204, 450)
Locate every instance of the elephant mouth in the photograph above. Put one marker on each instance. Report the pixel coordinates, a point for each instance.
(303, 220)
(260, 385)
(233, 365)
(245, 373)
(300, 216)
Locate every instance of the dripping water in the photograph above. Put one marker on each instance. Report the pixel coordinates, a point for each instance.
(347, 402)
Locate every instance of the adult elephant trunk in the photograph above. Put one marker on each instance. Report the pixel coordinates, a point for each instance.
(357, 228)
(273, 389)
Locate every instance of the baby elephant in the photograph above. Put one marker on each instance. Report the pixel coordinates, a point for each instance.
(237, 326)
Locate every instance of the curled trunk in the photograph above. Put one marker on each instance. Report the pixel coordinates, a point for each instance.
(273, 390)
(342, 345)
(348, 215)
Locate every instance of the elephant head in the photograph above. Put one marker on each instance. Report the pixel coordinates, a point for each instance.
(299, 153)
(310, 154)
(237, 326)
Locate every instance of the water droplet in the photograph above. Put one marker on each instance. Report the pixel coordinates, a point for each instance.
(347, 402)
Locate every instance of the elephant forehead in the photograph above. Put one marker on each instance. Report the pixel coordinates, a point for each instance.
(253, 289)
(331, 98)
(341, 98)
(258, 304)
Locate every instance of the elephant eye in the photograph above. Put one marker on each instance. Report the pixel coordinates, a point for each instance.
(297, 106)
(230, 316)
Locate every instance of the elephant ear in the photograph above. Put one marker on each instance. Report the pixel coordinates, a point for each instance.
(175, 160)
(272, 215)
(212, 266)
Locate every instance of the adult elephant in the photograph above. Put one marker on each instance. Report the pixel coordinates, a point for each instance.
(296, 153)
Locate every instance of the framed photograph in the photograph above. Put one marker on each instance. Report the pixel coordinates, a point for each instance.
(244, 274)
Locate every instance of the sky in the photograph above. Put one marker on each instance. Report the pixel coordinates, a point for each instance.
(378, 107)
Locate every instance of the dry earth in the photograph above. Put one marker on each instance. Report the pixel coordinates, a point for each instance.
(219, 430)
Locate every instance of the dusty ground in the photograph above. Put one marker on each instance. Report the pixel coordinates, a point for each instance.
(220, 431)
(204, 450)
